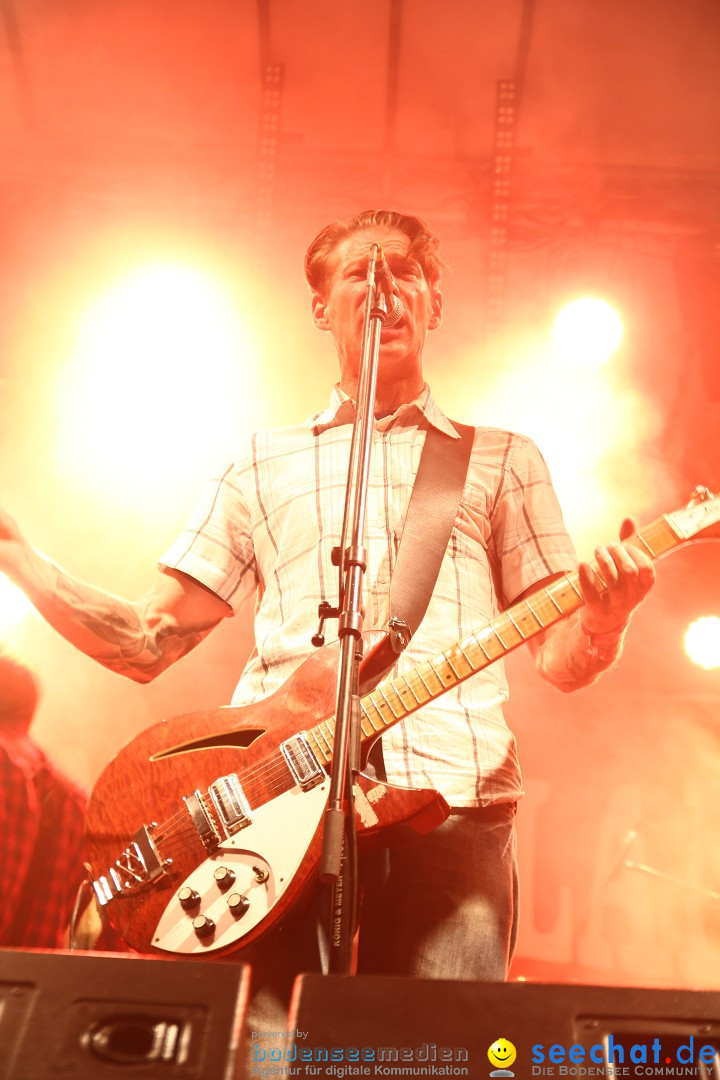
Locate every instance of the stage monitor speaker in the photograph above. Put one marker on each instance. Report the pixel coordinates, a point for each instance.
(92, 1016)
(383, 1025)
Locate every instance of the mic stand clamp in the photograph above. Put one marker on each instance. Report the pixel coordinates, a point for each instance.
(325, 611)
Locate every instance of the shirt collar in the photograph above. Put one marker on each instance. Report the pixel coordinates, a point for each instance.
(341, 410)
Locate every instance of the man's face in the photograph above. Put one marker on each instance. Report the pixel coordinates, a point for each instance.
(340, 308)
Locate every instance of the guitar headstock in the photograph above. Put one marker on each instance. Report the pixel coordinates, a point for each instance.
(700, 519)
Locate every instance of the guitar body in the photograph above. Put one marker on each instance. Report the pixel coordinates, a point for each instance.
(169, 872)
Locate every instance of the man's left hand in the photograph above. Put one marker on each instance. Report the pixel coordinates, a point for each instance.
(628, 574)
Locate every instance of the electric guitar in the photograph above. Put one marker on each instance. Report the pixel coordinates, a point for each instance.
(205, 829)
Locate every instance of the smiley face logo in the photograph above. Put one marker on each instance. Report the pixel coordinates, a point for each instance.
(502, 1054)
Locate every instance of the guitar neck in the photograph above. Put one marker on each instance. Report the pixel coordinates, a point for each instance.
(397, 698)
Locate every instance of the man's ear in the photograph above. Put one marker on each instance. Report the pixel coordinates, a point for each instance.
(319, 312)
(436, 303)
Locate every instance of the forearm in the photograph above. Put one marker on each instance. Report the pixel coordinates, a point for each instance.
(125, 636)
(570, 658)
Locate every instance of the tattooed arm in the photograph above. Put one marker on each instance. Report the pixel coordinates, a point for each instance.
(573, 653)
(135, 638)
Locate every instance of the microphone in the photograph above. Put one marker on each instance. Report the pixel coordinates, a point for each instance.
(385, 284)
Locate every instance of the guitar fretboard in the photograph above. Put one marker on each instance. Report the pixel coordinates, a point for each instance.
(397, 698)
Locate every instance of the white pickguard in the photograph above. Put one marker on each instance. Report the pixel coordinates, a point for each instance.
(275, 844)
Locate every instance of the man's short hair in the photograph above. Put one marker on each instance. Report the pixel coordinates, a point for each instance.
(18, 695)
(423, 244)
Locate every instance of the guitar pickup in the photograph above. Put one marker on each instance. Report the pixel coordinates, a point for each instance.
(229, 800)
(301, 761)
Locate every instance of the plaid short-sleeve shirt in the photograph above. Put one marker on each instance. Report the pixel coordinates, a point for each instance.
(270, 521)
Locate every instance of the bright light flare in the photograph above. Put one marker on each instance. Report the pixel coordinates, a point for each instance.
(587, 331)
(590, 425)
(14, 606)
(702, 642)
(161, 373)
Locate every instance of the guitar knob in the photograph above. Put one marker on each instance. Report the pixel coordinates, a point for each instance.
(238, 904)
(188, 898)
(224, 877)
(203, 926)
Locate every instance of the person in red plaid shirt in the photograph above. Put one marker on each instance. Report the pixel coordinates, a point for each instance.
(41, 822)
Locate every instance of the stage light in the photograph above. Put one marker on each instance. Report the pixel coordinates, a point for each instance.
(14, 605)
(702, 642)
(589, 423)
(587, 331)
(161, 374)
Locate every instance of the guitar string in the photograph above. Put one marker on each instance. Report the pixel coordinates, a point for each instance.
(268, 766)
(266, 774)
(268, 777)
(270, 770)
(179, 825)
(166, 829)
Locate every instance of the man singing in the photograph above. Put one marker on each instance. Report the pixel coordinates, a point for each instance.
(268, 524)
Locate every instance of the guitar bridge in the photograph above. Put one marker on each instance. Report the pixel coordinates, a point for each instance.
(205, 827)
(302, 763)
(137, 867)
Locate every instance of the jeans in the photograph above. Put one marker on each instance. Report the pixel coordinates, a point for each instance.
(443, 906)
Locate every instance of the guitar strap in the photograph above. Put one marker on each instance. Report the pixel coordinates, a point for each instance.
(428, 524)
(430, 516)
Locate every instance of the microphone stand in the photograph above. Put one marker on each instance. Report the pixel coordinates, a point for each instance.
(338, 864)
